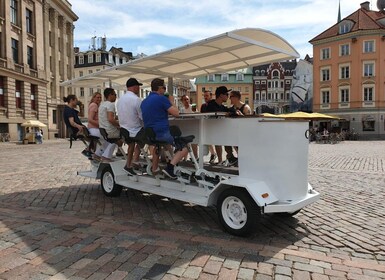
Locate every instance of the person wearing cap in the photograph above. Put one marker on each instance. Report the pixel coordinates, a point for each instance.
(207, 96)
(216, 105)
(130, 118)
(155, 110)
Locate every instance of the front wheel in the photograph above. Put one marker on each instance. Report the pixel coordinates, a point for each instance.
(237, 211)
(109, 187)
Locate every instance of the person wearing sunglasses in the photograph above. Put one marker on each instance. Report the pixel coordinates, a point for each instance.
(155, 110)
(241, 108)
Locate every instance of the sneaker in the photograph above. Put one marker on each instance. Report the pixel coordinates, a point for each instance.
(169, 171)
(130, 171)
(233, 161)
(224, 163)
(86, 153)
(212, 158)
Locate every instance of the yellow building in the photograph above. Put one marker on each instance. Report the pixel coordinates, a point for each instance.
(349, 62)
(241, 80)
(36, 41)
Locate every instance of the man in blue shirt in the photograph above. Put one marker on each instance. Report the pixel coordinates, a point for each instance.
(155, 110)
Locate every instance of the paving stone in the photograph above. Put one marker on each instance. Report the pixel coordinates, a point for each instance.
(192, 272)
(245, 274)
(57, 225)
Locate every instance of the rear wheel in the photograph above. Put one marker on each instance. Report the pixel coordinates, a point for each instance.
(109, 187)
(237, 211)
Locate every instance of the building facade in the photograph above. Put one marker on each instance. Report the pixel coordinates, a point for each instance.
(91, 61)
(240, 80)
(272, 83)
(36, 41)
(349, 62)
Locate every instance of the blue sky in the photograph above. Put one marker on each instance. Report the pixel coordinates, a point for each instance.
(152, 26)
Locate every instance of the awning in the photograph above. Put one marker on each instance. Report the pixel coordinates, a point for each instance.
(33, 123)
(230, 51)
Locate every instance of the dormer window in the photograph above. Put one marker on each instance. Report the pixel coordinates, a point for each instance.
(345, 27)
(211, 78)
(224, 77)
(240, 77)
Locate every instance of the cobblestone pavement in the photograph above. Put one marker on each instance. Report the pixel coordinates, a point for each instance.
(57, 225)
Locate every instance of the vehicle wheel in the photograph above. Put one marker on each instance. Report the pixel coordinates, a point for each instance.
(109, 187)
(237, 211)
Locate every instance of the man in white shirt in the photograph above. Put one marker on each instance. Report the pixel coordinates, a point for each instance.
(130, 118)
(186, 106)
(108, 122)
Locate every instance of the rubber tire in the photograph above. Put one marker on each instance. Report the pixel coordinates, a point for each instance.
(251, 211)
(109, 187)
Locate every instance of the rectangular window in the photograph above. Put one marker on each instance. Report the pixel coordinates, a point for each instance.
(368, 94)
(344, 94)
(81, 59)
(29, 21)
(325, 75)
(2, 102)
(240, 77)
(18, 94)
(15, 50)
(345, 72)
(210, 78)
(368, 46)
(344, 50)
(98, 57)
(80, 73)
(82, 92)
(30, 57)
(90, 71)
(325, 97)
(33, 97)
(368, 69)
(14, 11)
(54, 120)
(246, 89)
(224, 77)
(90, 58)
(325, 53)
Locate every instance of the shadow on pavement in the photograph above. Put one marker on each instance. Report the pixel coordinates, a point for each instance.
(75, 231)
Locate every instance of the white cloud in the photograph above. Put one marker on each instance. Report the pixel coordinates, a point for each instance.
(298, 21)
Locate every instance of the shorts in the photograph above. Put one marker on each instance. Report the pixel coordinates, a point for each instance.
(164, 136)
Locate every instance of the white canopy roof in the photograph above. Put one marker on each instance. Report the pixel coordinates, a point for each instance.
(219, 54)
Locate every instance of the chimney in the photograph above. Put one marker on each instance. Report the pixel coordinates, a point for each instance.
(365, 5)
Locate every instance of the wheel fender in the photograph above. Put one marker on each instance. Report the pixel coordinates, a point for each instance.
(258, 190)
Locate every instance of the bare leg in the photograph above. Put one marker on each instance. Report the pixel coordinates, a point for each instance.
(155, 159)
(194, 148)
(178, 156)
(130, 152)
(211, 150)
(136, 153)
(218, 149)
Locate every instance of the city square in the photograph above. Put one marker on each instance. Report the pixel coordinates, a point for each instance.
(57, 225)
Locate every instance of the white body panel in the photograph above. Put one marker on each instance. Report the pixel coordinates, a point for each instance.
(272, 157)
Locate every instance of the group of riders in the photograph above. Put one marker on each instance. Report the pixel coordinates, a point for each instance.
(136, 117)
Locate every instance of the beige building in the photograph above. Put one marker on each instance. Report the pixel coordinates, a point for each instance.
(94, 60)
(36, 41)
